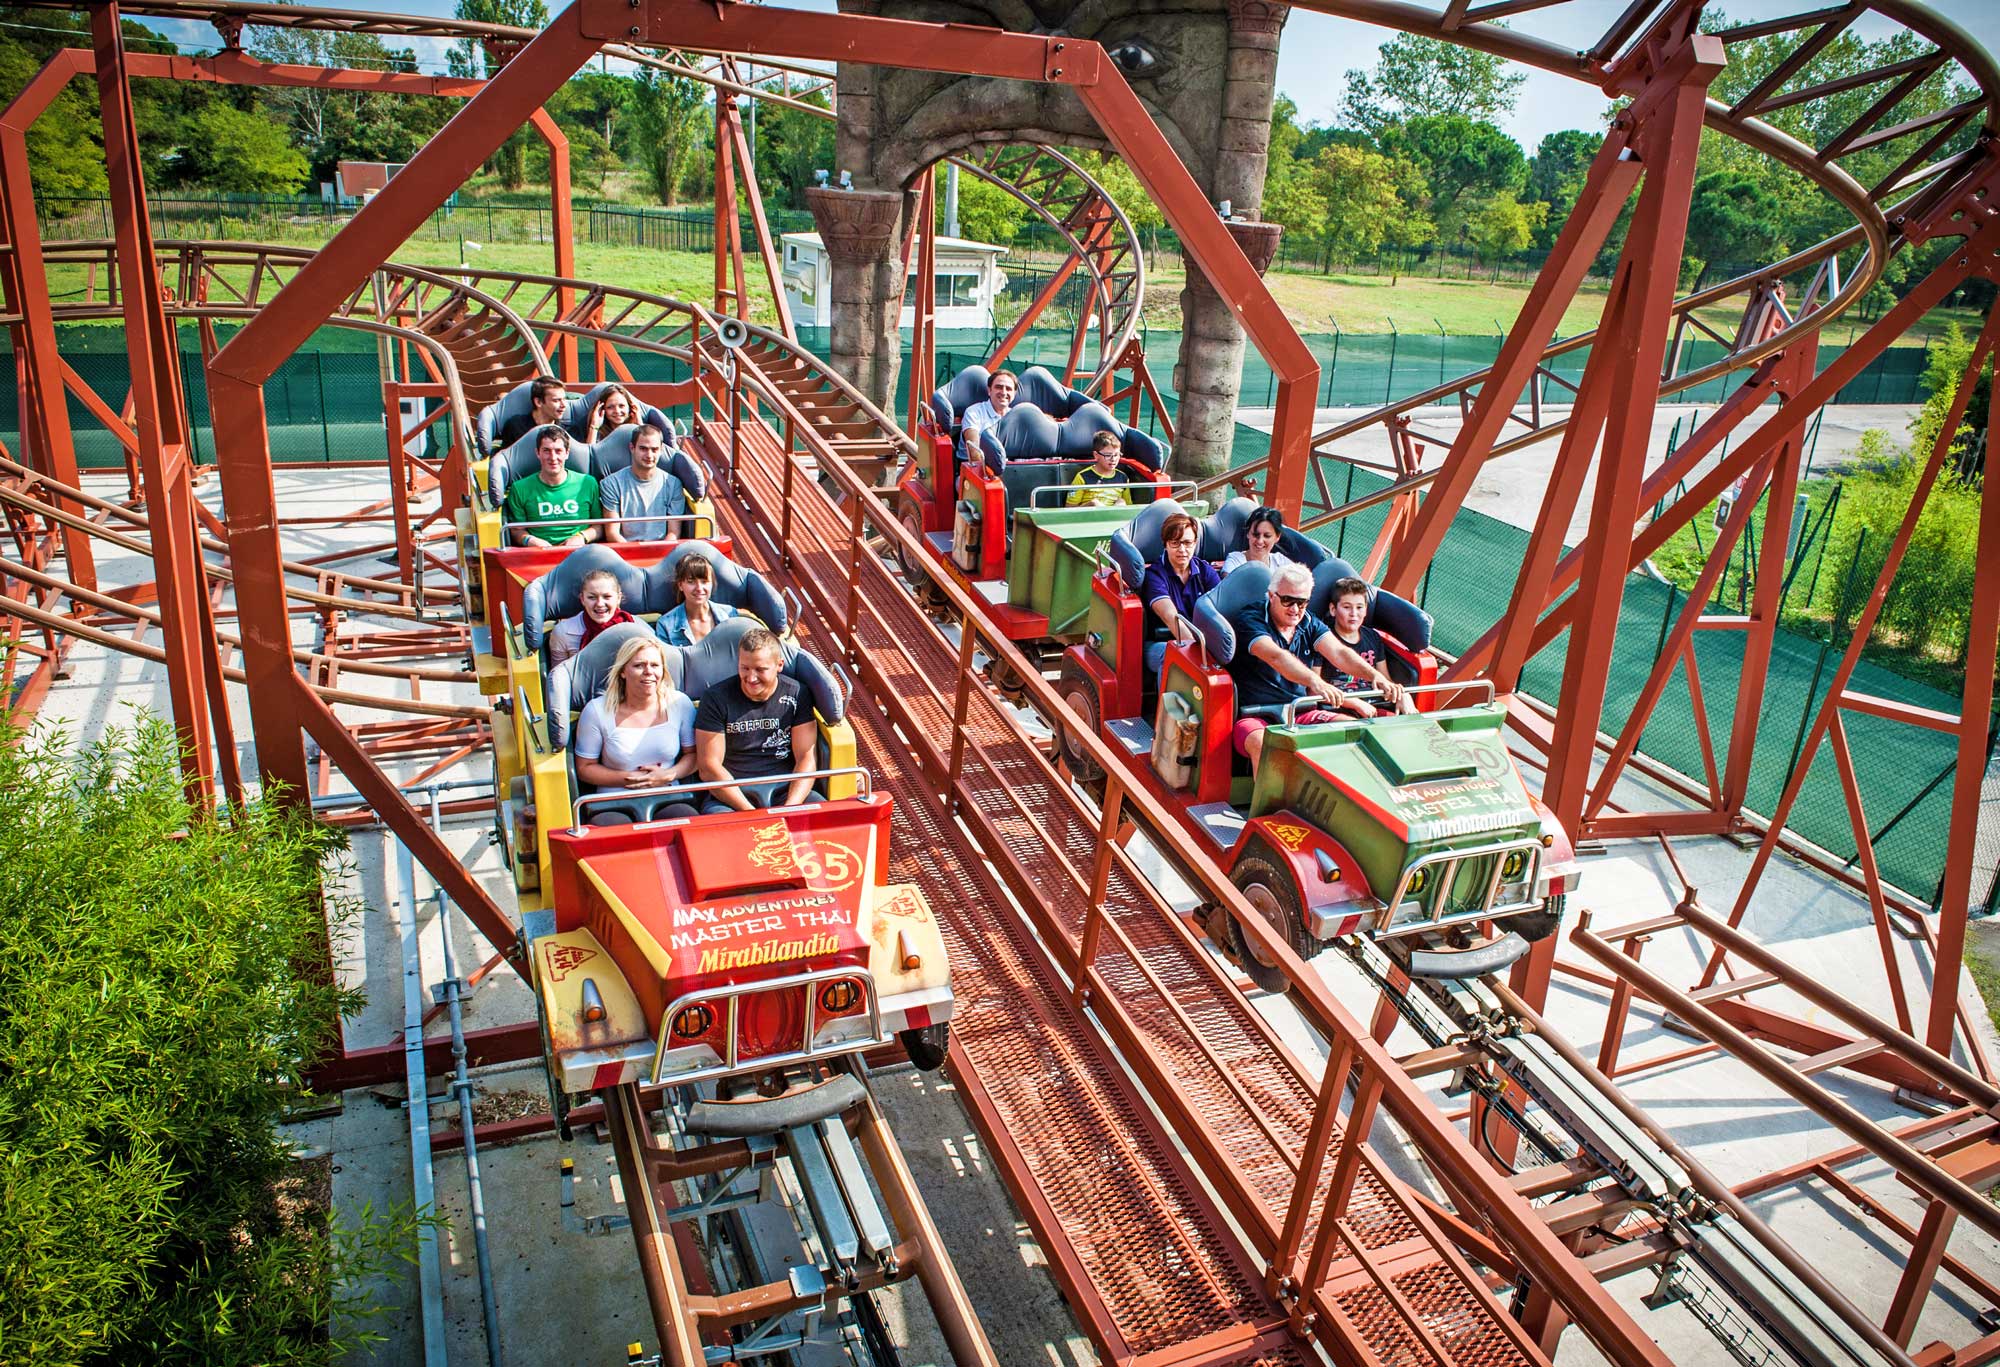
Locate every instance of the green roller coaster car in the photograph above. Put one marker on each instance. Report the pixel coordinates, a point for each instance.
(1414, 830)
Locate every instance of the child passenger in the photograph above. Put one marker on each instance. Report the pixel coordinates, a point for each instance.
(1102, 484)
(1350, 608)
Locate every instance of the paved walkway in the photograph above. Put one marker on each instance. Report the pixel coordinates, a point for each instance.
(1511, 487)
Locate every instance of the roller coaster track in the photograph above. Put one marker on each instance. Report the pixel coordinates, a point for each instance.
(1091, 1113)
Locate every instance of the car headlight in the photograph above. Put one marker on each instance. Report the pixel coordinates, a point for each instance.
(1515, 864)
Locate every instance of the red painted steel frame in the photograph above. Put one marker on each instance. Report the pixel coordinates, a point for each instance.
(252, 356)
(161, 421)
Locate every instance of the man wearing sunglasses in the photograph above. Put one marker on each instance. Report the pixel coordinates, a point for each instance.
(1280, 645)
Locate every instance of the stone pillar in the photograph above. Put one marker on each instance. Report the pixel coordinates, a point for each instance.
(1210, 369)
(1211, 365)
(861, 231)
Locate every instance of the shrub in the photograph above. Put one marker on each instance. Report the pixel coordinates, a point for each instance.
(158, 974)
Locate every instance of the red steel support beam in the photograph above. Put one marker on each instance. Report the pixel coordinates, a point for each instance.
(1606, 187)
(44, 411)
(1950, 273)
(237, 374)
(1793, 374)
(923, 308)
(562, 225)
(160, 408)
(1974, 708)
(1630, 365)
(749, 31)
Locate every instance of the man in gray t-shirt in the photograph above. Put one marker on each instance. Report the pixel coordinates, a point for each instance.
(644, 491)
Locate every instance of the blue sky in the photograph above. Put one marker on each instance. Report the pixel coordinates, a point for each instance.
(1318, 48)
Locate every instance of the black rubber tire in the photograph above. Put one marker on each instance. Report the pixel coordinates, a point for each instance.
(926, 1047)
(1079, 690)
(1537, 925)
(911, 563)
(1266, 883)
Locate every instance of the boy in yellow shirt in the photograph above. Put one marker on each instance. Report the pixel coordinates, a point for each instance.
(1102, 483)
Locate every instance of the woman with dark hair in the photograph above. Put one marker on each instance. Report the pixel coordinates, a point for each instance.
(1261, 535)
(616, 408)
(1171, 585)
(697, 612)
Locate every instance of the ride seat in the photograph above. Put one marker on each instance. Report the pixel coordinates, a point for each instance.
(577, 417)
(1214, 612)
(1137, 544)
(1041, 388)
(558, 594)
(519, 461)
(1030, 450)
(692, 669)
(517, 402)
(735, 586)
(1228, 530)
(613, 452)
(957, 394)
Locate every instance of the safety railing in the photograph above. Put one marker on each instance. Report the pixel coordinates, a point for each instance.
(859, 534)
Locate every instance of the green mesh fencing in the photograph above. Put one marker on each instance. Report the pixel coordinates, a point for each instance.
(325, 406)
(1905, 772)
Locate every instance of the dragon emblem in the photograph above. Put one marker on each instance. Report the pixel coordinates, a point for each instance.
(774, 851)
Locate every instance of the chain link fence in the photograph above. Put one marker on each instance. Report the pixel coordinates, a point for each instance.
(325, 407)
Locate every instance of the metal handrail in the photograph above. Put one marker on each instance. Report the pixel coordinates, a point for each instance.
(1451, 859)
(1169, 484)
(653, 793)
(733, 993)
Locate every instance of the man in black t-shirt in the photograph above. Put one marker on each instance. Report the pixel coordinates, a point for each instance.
(547, 402)
(758, 725)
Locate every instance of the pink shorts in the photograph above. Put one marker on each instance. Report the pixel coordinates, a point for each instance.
(1247, 727)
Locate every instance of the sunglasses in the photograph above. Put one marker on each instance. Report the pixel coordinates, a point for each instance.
(1291, 600)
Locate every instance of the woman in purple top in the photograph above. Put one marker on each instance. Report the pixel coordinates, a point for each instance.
(1171, 585)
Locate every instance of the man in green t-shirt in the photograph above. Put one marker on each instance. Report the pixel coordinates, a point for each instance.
(562, 499)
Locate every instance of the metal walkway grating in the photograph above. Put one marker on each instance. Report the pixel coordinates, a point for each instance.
(1254, 1100)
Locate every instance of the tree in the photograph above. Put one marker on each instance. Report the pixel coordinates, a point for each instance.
(664, 118)
(1732, 220)
(1359, 188)
(1420, 77)
(1463, 161)
(1501, 225)
(239, 153)
(1556, 174)
(510, 163)
(791, 145)
(66, 161)
(986, 213)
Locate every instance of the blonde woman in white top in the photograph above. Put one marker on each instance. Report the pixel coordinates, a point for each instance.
(638, 734)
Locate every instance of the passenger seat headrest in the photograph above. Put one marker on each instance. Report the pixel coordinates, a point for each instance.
(581, 677)
(734, 585)
(557, 594)
(519, 461)
(577, 419)
(713, 660)
(613, 452)
(1213, 611)
(1388, 612)
(962, 391)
